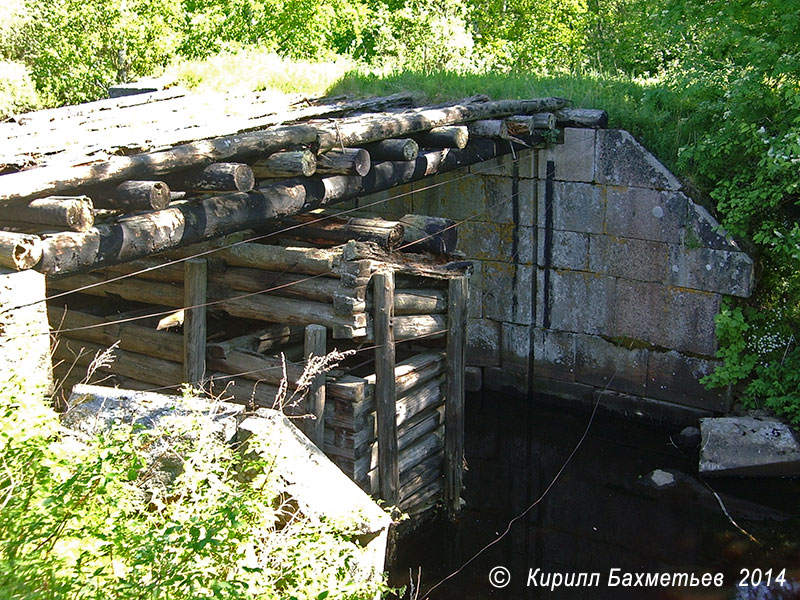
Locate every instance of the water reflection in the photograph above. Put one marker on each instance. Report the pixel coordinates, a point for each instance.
(628, 504)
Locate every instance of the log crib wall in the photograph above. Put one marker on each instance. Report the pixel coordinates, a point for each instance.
(390, 415)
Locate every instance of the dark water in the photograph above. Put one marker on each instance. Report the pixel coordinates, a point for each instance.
(602, 513)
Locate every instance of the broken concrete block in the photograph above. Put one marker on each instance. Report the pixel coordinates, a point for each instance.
(25, 360)
(523, 165)
(507, 290)
(621, 160)
(645, 214)
(501, 193)
(748, 446)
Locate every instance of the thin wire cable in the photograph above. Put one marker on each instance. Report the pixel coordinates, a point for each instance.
(535, 502)
(263, 291)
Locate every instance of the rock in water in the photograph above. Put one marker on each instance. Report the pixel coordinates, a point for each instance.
(755, 447)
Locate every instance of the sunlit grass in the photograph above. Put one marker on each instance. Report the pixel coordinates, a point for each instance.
(254, 70)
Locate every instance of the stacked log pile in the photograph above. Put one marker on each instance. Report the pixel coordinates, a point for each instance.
(351, 433)
(266, 296)
(176, 195)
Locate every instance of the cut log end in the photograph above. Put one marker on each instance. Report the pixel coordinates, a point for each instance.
(286, 164)
(350, 161)
(139, 195)
(18, 251)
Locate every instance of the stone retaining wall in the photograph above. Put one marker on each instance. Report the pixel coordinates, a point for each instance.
(594, 273)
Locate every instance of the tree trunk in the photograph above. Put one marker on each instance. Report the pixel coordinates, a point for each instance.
(137, 195)
(451, 136)
(19, 251)
(286, 164)
(335, 230)
(220, 177)
(350, 161)
(68, 212)
(394, 149)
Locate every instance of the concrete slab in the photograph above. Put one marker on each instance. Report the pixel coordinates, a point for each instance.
(748, 446)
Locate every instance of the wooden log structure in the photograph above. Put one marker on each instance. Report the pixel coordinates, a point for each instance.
(259, 341)
(527, 124)
(315, 397)
(385, 391)
(346, 132)
(336, 230)
(19, 251)
(289, 163)
(195, 286)
(393, 149)
(64, 212)
(489, 128)
(131, 336)
(457, 294)
(219, 177)
(141, 235)
(345, 161)
(451, 136)
(582, 117)
(137, 195)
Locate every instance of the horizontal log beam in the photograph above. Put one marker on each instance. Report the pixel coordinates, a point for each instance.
(141, 235)
(63, 212)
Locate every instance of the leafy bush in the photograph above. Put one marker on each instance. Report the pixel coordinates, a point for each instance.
(87, 518)
(76, 50)
(17, 92)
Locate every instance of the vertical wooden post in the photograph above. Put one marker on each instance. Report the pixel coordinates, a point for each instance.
(454, 400)
(315, 400)
(385, 389)
(194, 320)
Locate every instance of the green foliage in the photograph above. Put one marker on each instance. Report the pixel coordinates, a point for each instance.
(90, 518)
(17, 92)
(75, 50)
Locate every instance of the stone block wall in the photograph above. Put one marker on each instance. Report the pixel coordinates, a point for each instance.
(593, 272)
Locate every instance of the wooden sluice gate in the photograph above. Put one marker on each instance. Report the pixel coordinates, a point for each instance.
(243, 320)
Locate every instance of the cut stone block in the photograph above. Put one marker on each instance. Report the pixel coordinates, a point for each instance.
(748, 446)
(576, 207)
(498, 205)
(574, 159)
(449, 195)
(516, 346)
(648, 410)
(703, 230)
(570, 250)
(503, 380)
(689, 324)
(711, 270)
(581, 302)
(640, 311)
(483, 343)
(674, 377)
(642, 260)
(607, 366)
(554, 354)
(621, 160)
(502, 242)
(475, 301)
(473, 379)
(504, 165)
(507, 292)
(646, 214)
